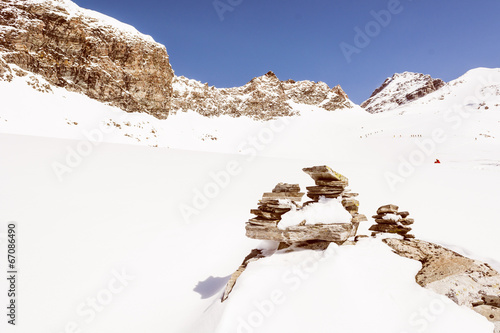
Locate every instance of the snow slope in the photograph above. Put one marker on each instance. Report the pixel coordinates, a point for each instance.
(94, 200)
(120, 213)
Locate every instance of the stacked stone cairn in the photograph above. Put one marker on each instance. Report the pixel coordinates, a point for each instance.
(274, 204)
(331, 184)
(389, 220)
(285, 197)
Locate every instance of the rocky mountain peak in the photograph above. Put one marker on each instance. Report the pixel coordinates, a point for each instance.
(401, 89)
(263, 97)
(87, 52)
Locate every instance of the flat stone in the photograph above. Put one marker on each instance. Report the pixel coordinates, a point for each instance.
(266, 215)
(334, 183)
(283, 195)
(267, 208)
(263, 222)
(349, 194)
(315, 197)
(336, 232)
(389, 228)
(383, 221)
(324, 189)
(392, 209)
(409, 236)
(254, 255)
(403, 214)
(324, 172)
(284, 187)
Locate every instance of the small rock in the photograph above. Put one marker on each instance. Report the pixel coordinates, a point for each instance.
(392, 209)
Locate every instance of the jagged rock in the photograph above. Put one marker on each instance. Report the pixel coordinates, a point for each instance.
(253, 256)
(401, 89)
(284, 187)
(336, 233)
(463, 280)
(391, 209)
(264, 97)
(87, 52)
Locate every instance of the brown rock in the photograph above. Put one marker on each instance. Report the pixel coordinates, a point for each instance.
(284, 187)
(403, 214)
(324, 173)
(73, 49)
(391, 209)
(337, 233)
(253, 256)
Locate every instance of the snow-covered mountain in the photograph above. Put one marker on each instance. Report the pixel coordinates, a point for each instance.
(264, 97)
(401, 89)
(159, 204)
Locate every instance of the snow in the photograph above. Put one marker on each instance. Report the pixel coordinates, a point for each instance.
(318, 287)
(392, 217)
(122, 206)
(326, 211)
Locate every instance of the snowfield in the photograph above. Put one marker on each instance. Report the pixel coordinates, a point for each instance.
(128, 223)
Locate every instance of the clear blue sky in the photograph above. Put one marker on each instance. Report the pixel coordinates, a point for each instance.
(302, 39)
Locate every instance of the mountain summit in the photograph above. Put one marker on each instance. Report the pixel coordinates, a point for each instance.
(401, 89)
(264, 97)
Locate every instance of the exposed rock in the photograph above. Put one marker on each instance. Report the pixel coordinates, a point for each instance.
(401, 89)
(465, 281)
(87, 52)
(254, 255)
(264, 97)
(392, 209)
(389, 220)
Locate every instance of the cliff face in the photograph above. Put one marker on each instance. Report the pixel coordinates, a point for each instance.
(264, 97)
(86, 52)
(399, 90)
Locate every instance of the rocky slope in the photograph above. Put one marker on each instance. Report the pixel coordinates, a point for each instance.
(87, 52)
(264, 97)
(466, 281)
(399, 90)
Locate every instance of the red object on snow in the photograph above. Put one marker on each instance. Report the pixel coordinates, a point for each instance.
(437, 161)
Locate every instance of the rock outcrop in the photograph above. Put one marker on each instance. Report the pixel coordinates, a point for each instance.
(465, 281)
(86, 52)
(264, 97)
(401, 89)
(389, 220)
(286, 197)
